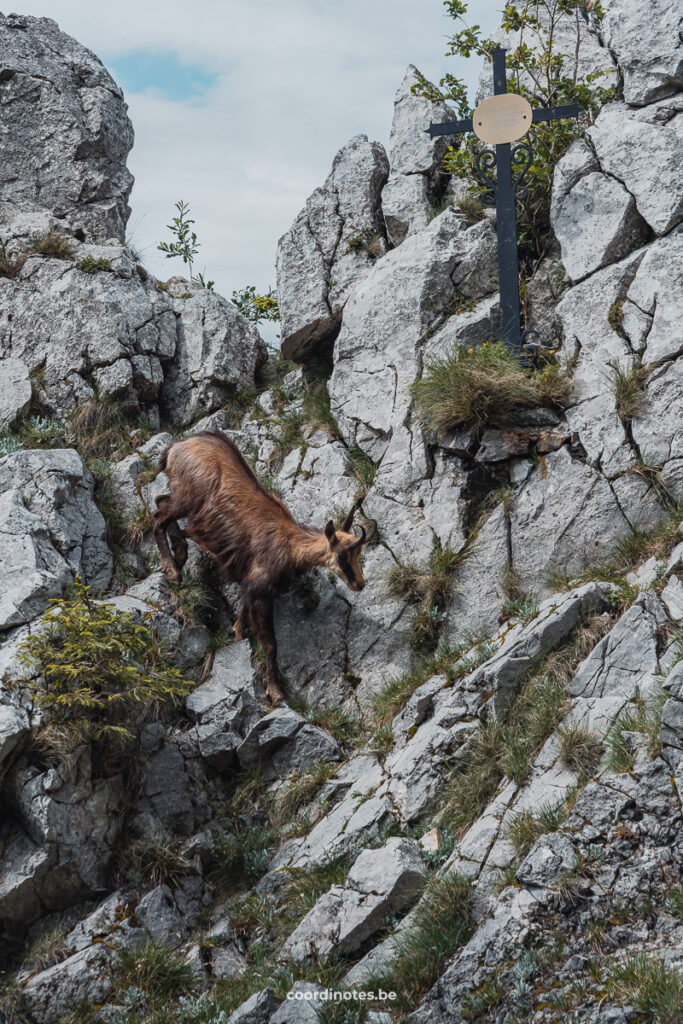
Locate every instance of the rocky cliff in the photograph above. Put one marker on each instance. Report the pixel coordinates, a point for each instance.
(472, 798)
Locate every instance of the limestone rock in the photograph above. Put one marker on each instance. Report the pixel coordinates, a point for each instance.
(218, 350)
(65, 128)
(416, 160)
(656, 430)
(255, 1009)
(331, 245)
(50, 530)
(108, 330)
(565, 516)
(380, 883)
(645, 37)
(15, 391)
(75, 816)
(84, 977)
(654, 301)
(283, 741)
(597, 224)
(640, 147)
(377, 352)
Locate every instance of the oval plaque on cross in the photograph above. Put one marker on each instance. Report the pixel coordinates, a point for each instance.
(503, 118)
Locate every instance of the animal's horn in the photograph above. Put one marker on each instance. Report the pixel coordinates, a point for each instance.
(346, 525)
(373, 533)
(360, 541)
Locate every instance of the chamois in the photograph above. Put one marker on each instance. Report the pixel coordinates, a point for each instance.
(251, 533)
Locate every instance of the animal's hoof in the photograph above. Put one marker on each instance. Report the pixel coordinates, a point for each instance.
(275, 697)
(173, 575)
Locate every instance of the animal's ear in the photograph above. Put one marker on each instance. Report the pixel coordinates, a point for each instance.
(331, 535)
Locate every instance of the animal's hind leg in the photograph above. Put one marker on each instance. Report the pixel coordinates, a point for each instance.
(163, 517)
(178, 543)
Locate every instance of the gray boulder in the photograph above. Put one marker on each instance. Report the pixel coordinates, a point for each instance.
(68, 131)
(416, 160)
(331, 245)
(596, 224)
(51, 530)
(255, 1009)
(15, 391)
(282, 741)
(639, 147)
(381, 883)
(108, 330)
(645, 37)
(83, 978)
(74, 816)
(218, 351)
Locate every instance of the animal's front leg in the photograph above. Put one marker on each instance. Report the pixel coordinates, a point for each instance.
(238, 624)
(261, 614)
(161, 520)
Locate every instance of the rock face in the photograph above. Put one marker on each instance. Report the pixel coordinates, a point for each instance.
(217, 352)
(66, 134)
(416, 177)
(481, 719)
(51, 531)
(332, 244)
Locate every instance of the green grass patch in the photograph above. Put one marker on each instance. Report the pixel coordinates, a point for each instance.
(442, 924)
(649, 984)
(428, 589)
(580, 749)
(628, 388)
(485, 385)
(641, 716)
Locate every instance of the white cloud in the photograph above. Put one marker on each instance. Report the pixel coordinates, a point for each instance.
(295, 80)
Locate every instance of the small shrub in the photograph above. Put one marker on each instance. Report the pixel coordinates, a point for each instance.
(9, 443)
(526, 827)
(152, 862)
(368, 243)
(628, 387)
(140, 524)
(256, 307)
(615, 317)
(364, 470)
(650, 985)
(52, 243)
(439, 206)
(45, 432)
(316, 409)
(92, 264)
(105, 673)
(484, 385)
(194, 598)
(102, 430)
(47, 949)
(580, 749)
(244, 857)
(300, 790)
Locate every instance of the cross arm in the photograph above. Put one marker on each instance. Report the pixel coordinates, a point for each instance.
(449, 128)
(555, 113)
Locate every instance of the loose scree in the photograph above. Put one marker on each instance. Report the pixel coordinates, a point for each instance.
(250, 532)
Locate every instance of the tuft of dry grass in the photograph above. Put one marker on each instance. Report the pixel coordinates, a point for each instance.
(628, 387)
(53, 243)
(580, 749)
(483, 385)
(10, 266)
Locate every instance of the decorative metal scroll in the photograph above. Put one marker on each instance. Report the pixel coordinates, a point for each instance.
(485, 161)
(521, 157)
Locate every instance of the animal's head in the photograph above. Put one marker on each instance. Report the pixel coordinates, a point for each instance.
(345, 548)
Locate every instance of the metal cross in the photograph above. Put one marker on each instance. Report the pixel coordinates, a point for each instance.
(504, 190)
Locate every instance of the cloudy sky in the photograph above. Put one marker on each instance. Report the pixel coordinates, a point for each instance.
(240, 105)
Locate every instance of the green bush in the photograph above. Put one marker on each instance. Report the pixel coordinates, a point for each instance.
(650, 985)
(103, 673)
(485, 385)
(91, 265)
(428, 589)
(256, 307)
